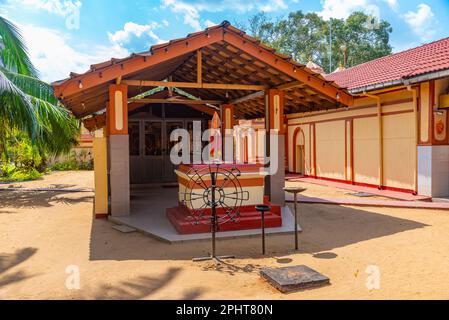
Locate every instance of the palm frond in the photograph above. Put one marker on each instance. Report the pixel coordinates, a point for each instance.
(31, 86)
(59, 129)
(14, 54)
(16, 108)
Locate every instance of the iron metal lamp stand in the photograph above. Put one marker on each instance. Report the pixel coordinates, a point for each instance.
(262, 209)
(295, 191)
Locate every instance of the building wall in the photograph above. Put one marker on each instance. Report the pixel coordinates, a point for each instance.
(343, 144)
(346, 142)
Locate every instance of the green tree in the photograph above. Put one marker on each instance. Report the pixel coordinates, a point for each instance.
(27, 104)
(305, 35)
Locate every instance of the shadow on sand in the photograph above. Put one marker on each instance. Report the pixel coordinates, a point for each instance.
(40, 199)
(12, 260)
(326, 227)
(143, 287)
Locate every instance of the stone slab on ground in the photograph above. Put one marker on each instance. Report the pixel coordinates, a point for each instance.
(294, 278)
(124, 229)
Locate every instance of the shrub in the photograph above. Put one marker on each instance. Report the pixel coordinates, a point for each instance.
(19, 175)
(72, 165)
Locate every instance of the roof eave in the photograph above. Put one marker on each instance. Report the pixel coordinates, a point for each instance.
(404, 81)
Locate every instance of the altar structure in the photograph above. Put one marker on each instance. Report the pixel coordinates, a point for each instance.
(364, 125)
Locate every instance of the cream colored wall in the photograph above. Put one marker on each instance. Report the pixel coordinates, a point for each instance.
(398, 143)
(330, 149)
(399, 150)
(366, 151)
(441, 87)
(306, 131)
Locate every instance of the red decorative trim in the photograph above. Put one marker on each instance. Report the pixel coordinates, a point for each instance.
(101, 216)
(361, 184)
(352, 151)
(314, 150)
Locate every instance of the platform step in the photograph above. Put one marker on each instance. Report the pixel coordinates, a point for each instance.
(184, 223)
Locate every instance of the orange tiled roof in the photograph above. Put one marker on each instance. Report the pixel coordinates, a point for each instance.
(404, 65)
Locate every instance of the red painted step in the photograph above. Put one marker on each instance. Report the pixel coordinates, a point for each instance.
(181, 219)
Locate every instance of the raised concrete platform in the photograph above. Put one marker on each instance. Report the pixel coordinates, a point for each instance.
(148, 217)
(158, 226)
(373, 203)
(184, 222)
(382, 193)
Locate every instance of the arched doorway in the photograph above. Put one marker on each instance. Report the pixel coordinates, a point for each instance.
(298, 151)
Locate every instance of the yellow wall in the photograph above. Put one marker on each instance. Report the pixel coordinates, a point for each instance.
(333, 141)
(101, 176)
(299, 140)
(330, 149)
(366, 151)
(399, 150)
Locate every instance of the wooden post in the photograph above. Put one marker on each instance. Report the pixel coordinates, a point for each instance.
(117, 117)
(274, 123)
(101, 206)
(227, 120)
(199, 66)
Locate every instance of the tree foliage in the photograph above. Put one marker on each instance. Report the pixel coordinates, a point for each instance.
(305, 35)
(28, 109)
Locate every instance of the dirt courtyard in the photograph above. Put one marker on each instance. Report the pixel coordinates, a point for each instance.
(48, 238)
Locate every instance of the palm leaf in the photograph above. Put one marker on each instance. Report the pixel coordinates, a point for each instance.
(31, 86)
(16, 108)
(59, 129)
(14, 54)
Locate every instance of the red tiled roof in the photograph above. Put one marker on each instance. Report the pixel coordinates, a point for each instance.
(424, 59)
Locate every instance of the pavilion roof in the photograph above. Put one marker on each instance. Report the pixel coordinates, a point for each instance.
(236, 68)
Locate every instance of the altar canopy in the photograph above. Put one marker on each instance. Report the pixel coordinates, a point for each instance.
(220, 72)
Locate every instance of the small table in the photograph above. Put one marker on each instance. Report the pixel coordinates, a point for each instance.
(295, 191)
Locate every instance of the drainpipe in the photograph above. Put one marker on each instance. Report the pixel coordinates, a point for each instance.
(415, 113)
(380, 137)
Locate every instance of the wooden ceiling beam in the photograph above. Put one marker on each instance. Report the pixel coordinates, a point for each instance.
(218, 86)
(265, 56)
(251, 96)
(177, 101)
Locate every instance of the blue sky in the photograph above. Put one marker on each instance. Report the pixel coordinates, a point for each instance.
(68, 35)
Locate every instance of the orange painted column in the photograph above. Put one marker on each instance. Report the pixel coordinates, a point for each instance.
(274, 123)
(117, 124)
(117, 111)
(227, 125)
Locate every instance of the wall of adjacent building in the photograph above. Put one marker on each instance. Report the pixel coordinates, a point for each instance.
(343, 145)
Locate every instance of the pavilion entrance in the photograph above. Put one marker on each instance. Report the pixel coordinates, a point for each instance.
(149, 141)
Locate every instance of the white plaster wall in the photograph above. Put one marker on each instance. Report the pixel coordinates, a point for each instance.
(425, 170)
(433, 171)
(440, 171)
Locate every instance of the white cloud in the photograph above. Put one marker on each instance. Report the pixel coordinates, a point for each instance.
(55, 58)
(190, 12)
(341, 9)
(131, 29)
(393, 4)
(67, 9)
(59, 7)
(191, 9)
(209, 23)
(422, 22)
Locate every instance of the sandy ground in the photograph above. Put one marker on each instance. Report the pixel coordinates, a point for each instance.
(47, 237)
